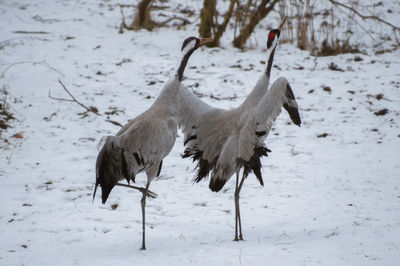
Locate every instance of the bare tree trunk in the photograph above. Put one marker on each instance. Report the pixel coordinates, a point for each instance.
(261, 12)
(142, 18)
(221, 28)
(206, 18)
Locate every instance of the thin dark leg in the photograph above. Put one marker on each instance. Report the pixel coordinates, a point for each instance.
(148, 193)
(236, 207)
(143, 202)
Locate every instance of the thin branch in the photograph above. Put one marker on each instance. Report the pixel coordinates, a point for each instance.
(114, 122)
(256, 16)
(123, 24)
(124, 5)
(31, 32)
(211, 96)
(156, 24)
(361, 26)
(43, 63)
(364, 16)
(162, 24)
(91, 109)
(283, 235)
(12, 152)
(221, 28)
(4, 43)
(58, 99)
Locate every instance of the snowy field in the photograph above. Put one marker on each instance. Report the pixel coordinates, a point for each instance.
(332, 187)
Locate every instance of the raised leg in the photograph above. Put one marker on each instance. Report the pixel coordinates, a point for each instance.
(143, 203)
(149, 193)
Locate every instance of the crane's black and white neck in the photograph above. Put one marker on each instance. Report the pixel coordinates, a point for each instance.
(167, 95)
(262, 85)
(188, 47)
(272, 42)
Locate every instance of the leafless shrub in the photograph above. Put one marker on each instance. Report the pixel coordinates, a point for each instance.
(325, 27)
(6, 116)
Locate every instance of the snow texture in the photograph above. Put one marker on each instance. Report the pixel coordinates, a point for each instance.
(332, 189)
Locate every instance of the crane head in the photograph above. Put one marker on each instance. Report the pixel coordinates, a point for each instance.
(273, 35)
(194, 43)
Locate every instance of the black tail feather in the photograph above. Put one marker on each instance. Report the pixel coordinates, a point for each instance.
(159, 168)
(292, 110)
(254, 164)
(216, 184)
(204, 167)
(124, 166)
(110, 167)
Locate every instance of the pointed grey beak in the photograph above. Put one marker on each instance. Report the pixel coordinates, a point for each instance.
(205, 40)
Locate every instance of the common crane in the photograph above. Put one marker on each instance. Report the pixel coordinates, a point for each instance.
(224, 141)
(144, 141)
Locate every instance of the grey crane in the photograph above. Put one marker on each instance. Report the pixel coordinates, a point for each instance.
(224, 141)
(144, 141)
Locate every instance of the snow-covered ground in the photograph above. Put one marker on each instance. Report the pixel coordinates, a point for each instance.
(332, 187)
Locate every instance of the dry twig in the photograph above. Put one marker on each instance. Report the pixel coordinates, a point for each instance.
(31, 32)
(42, 63)
(162, 24)
(123, 24)
(114, 122)
(89, 109)
(364, 16)
(154, 24)
(211, 96)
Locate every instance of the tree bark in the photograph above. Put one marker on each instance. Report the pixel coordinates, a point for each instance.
(142, 18)
(261, 12)
(206, 18)
(221, 28)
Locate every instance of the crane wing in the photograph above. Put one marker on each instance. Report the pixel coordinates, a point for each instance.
(205, 131)
(152, 140)
(191, 110)
(264, 115)
(246, 147)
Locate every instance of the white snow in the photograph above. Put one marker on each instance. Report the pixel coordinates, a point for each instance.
(331, 200)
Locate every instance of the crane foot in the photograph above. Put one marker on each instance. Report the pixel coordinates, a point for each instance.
(149, 193)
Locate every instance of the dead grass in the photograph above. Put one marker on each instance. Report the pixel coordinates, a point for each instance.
(5, 115)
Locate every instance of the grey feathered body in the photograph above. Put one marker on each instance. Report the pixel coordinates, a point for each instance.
(141, 144)
(224, 141)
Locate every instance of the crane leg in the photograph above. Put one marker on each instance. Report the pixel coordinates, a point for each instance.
(149, 193)
(143, 203)
(236, 207)
(238, 222)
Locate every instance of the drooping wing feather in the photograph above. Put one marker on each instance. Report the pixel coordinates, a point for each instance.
(205, 131)
(264, 115)
(191, 110)
(249, 138)
(139, 146)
